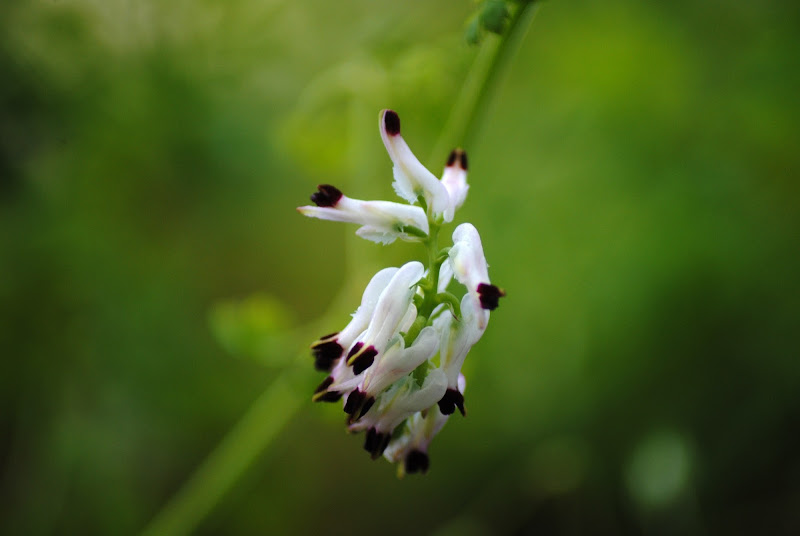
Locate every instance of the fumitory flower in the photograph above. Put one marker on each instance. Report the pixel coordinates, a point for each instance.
(396, 366)
(381, 221)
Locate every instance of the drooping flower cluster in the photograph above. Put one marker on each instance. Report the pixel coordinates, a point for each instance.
(397, 365)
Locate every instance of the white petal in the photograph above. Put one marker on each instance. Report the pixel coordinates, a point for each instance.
(445, 275)
(393, 303)
(402, 185)
(459, 336)
(399, 361)
(380, 220)
(401, 401)
(411, 175)
(364, 312)
(454, 180)
(390, 311)
(468, 262)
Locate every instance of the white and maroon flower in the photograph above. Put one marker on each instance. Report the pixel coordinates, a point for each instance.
(468, 265)
(390, 311)
(458, 336)
(381, 221)
(402, 400)
(454, 180)
(397, 362)
(328, 349)
(411, 178)
(411, 447)
(387, 310)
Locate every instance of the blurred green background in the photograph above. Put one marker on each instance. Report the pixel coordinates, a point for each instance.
(635, 182)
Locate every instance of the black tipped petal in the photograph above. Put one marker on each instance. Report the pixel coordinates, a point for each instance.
(364, 360)
(321, 393)
(354, 401)
(391, 122)
(330, 396)
(326, 196)
(416, 462)
(375, 443)
(324, 385)
(490, 296)
(366, 407)
(326, 353)
(451, 400)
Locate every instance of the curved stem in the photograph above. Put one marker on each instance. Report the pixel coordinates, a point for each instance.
(472, 102)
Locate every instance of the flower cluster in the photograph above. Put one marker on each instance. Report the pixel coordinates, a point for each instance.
(397, 365)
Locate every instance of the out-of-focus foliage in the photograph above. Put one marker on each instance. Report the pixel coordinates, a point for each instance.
(635, 184)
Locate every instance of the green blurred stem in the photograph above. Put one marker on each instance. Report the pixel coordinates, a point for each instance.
(254, 432)
(235, 453)
(472, 102)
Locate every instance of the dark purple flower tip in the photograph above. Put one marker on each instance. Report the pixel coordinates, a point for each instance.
(354, 401)
(416, 462)
(326, 196)
(321, 393)
(490, 295)
(328, 396)
(391, 122)
(367, 406)
(458, 157)
(451, 400)
(362, 359)
(375, 443)
(326, 352)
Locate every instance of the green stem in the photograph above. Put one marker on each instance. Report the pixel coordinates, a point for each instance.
(471, 104)
(229, 460)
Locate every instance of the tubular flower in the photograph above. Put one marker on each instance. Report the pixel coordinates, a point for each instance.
(396, 366)
(411, 446)
(454, 179)
(381, 221)
(457, 338)
(401, 401)
(411, 178)
(329, 348)
(469, 267)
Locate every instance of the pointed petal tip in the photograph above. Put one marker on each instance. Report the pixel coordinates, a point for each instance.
(391, 122)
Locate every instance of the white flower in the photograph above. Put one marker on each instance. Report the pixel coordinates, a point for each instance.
(328, 349)
(411, 178)
(458, 336)
(400, 401)
(411, 447)
(468, 264)
(381, 221)
(392, 313)
(454, 179)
